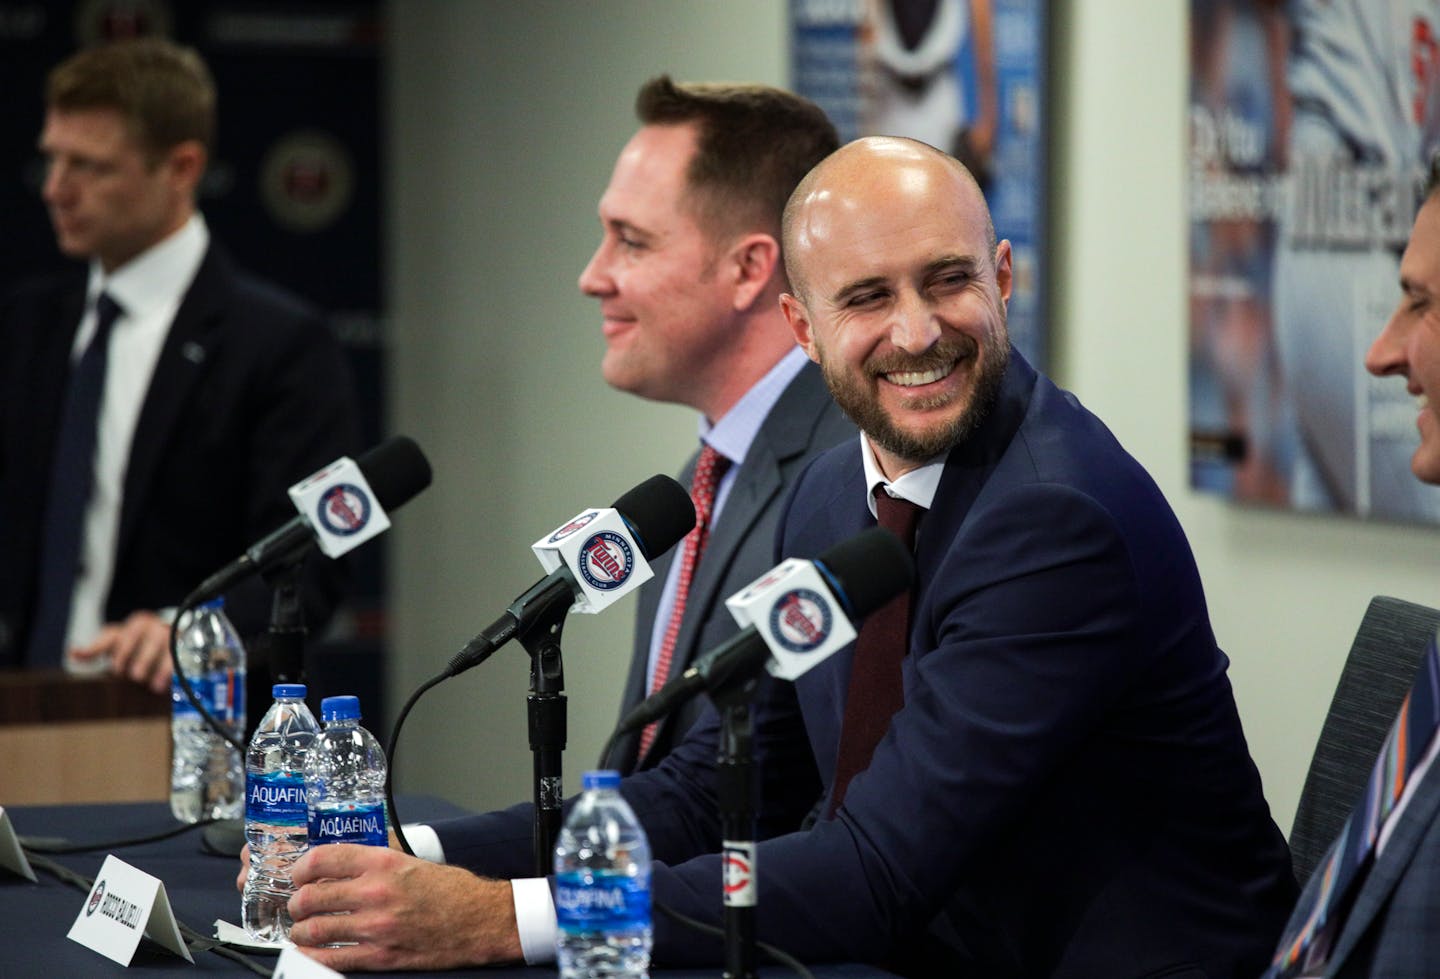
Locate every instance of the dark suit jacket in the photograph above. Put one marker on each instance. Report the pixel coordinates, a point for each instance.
(1066, 792)
(804, 421)
(250, 394)
(1390, 931)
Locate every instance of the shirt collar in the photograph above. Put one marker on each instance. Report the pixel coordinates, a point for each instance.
(918, 486)
(157, 276)
(733, 434)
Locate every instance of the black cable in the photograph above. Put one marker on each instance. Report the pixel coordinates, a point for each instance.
(784, 958)
(46, 845)
(605, 750)
(194, 939)
(390, 761)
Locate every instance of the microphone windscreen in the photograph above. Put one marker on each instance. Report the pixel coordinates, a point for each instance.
(396, 470)
(660, 512)
(869, 569)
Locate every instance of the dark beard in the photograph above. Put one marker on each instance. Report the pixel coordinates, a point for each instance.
(871, 419)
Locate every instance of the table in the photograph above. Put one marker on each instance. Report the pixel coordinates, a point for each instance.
(35, 918)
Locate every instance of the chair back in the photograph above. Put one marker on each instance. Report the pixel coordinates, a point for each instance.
(1379, 670)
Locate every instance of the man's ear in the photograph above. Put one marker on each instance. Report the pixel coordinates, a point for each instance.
(185, 163)
(753, 262)
(1004, 271)
(799, 319)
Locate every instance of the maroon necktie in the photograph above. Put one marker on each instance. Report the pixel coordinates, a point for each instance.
(708, 469)
(876, 691)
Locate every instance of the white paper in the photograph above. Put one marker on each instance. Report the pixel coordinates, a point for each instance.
(124, 905)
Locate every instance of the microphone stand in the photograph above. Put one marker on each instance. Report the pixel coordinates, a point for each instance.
(546, 713)
(285, 639)
(736, 785)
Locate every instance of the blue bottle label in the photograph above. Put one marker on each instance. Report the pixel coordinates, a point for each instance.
(221, 691)
(587, 901)
(349, 823)
(277, 798)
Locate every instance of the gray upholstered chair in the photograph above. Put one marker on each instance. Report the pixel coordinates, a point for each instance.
(1392, 638)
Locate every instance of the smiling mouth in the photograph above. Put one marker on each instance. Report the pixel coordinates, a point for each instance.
(915, 379)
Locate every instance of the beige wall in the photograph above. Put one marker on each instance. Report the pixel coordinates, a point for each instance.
(506, 118)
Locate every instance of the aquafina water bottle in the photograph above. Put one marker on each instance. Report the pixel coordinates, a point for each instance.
(275, 810)
(602, 885)
(345, 779)
(207, 776)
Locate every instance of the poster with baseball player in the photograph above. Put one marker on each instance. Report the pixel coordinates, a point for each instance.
(1312, 123)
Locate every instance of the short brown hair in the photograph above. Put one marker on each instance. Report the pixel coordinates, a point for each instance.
(163, 90)
(754, 144)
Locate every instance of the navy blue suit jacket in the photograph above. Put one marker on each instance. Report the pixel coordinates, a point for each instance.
(1066, 791)
(250, 394)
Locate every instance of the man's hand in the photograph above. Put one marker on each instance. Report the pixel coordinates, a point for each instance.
(402, 912)
(138, 648)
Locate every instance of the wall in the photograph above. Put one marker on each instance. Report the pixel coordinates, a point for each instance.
(505, 121)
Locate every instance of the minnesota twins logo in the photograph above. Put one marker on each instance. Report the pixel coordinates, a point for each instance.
(736, 869)
(344, 509)
(96, 896)
(801, 619)
(573, 526)
(606, 561)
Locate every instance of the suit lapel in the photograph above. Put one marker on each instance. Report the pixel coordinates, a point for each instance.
(784, 435)
(1375, 890)
(190, 342)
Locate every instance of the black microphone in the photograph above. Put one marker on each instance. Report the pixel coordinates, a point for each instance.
(396, 470)
(862, 574)
(658, 513)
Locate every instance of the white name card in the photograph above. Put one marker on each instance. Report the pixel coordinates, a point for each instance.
(12, 857)
(124, 905)
(295, 964)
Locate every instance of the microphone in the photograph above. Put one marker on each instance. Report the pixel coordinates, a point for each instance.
(590, 571)
(341, 506)
(795, 616)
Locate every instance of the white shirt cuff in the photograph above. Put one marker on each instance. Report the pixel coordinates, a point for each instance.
(424, 842)
(535, 919)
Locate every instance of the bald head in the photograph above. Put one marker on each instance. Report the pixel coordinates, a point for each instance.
(872, 172)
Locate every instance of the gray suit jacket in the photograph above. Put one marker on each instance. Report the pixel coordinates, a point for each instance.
(803, 422)
(1393, 928)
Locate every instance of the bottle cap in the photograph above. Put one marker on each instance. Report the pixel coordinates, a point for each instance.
(606, 778)
(218, 602)
(340, 708)
(290, 691)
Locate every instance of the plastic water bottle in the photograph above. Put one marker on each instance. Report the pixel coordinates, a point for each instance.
(275, 810)
(345, 779)
(207, 777)
(602, 885)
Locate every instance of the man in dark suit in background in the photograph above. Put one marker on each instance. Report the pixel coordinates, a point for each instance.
(1371, 907)
(688, 274)
(155, 406)
(1054, 783)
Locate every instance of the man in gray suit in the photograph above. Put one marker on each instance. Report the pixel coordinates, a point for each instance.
(688, 274)
(1381, 921)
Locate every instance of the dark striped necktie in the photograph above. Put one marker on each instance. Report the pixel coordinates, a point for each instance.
(72, 478)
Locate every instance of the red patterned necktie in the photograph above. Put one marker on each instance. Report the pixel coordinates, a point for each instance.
(709, 468)
(876, 690)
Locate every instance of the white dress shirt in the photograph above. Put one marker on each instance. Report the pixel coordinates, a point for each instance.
(148, 289)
